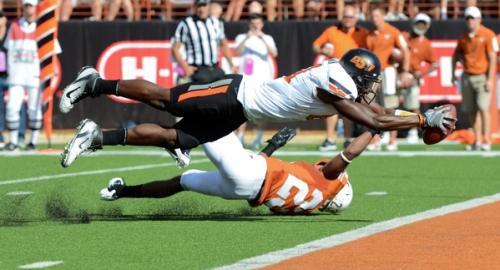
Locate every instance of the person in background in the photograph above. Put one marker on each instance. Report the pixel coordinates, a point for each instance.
(114, 8)
(333, 43)
(202, 36)
(256, 50)
(23, 76)
(420, 52)
(476, 50)
(396, 11)
(255, 8)
(215, 10)
(382, 40)
(3, 75)
(234, 10)
(67, 6)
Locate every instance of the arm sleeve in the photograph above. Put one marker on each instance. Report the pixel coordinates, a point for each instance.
(239, 38)
(222, 34)
(493, 44)
(431, 56)
(180, 32)
(270, 41)
(401, 41)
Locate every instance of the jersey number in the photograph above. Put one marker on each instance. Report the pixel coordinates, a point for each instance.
(299, 198)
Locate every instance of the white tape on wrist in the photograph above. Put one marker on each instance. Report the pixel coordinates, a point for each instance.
(344, 158)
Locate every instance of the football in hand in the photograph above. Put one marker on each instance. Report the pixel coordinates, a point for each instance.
(435, 135)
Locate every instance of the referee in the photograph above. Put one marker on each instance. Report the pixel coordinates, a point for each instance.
(201, 36)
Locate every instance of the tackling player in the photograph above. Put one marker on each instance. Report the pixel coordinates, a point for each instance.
(285, 187)
(211, 111)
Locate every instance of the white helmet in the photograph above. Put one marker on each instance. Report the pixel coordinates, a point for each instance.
(342, 200)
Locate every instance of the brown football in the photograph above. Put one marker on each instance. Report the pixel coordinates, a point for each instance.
(435, 135)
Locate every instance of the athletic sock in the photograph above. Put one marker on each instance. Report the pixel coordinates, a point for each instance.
(114, 137)
(107, 87)
(14, 136)
(34, 136)
(130, 192)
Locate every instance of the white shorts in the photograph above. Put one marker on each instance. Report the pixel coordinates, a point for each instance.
(240, 173)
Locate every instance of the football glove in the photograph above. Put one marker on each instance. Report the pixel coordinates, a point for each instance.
(439, 117)
(282, 137)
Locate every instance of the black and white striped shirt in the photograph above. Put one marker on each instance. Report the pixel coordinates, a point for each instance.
(201, 39)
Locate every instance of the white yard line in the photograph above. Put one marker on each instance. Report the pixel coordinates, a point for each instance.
(285, 153)
(66, 175)
(38, 265)
(342, 238)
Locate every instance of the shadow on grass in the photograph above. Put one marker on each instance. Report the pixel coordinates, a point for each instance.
(84, 217)
(59, 207)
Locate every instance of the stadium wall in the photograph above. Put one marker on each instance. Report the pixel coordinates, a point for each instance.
(142, 50)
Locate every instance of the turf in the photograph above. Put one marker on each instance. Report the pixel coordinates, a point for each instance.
(64, 219)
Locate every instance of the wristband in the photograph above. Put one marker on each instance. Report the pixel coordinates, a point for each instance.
(344, 158)
(403, 113)
(421, 120)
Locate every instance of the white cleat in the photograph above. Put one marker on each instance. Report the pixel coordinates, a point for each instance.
(486, 147)
(374, 147)
(181, 157)
(88, 137)
(110, 193)
(78, 89)
(392, 147)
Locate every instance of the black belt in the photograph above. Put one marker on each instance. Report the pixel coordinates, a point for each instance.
(206, 66)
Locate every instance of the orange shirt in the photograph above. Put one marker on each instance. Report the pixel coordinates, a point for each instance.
(382, 42)
(342, 41)
(498, 54)
(475, 49)
(296, 187)
(420, 51)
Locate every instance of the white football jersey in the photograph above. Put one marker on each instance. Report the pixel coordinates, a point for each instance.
(294, 97)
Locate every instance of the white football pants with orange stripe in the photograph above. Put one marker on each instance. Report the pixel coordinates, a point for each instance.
(240, 173)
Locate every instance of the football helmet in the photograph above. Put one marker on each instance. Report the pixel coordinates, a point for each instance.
(341, 200)
(364, 68)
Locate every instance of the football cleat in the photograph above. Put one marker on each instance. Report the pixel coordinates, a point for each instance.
(112, 191)
(30, 147)
(181, 157)
(11, 147)
(79, 89)
(88, 138)
(327, 145)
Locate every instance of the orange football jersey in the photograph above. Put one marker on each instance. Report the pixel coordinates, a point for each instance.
(296, 187)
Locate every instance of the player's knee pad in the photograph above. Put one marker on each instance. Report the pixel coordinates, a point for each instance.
(186, 141)
(12, 118)
(35, 124)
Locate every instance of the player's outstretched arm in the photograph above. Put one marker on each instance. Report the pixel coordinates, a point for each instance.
(339, 163)
(282, 137)
(378, 119)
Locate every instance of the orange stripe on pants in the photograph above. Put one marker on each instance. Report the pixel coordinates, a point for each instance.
(203, 93)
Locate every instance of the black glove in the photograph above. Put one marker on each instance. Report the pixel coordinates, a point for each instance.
(282, 137)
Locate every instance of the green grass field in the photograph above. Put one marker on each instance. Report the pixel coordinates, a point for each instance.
(64, 220)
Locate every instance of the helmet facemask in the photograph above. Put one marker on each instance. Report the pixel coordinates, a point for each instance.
(367, 88)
